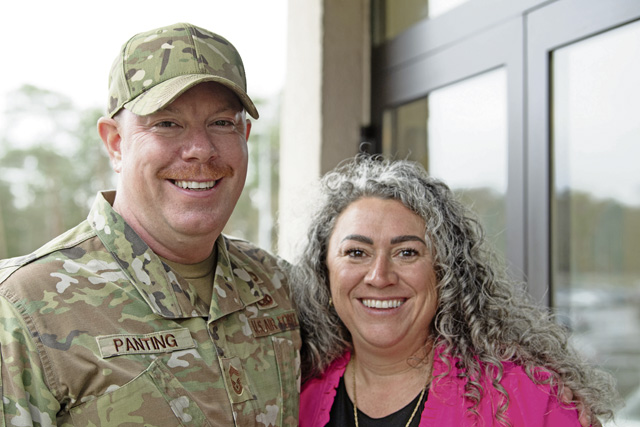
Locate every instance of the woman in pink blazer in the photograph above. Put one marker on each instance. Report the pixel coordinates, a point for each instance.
(408, 321)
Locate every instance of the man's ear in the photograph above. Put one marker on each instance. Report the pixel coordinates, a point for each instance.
(109, 130)
(248, 127)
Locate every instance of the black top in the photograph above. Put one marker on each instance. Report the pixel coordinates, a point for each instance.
(342, 413)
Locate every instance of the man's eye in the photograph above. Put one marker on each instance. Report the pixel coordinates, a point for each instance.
(223, 123)
(166, 124)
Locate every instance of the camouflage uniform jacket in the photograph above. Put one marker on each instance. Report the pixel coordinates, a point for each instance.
(95, 330)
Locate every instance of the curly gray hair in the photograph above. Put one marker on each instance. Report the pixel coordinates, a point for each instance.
(483, 317)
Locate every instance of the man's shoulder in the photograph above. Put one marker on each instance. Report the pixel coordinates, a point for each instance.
(46, 252)
(244, 249)
(257, 261)
(242, 245)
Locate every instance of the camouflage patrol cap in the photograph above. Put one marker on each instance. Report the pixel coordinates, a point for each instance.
(156, 67)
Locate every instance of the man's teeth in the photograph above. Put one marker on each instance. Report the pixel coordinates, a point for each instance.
(376, 303)
(193, 185)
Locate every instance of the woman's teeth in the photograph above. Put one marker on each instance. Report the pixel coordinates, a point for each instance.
(376, 303)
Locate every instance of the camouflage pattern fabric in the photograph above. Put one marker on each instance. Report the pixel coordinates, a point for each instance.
(96, 331)
(154, 67)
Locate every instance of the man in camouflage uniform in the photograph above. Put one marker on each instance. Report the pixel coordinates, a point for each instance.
(144, 314)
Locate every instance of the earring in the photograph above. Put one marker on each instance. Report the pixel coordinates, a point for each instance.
(330, 301)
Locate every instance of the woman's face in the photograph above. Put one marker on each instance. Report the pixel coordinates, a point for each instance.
(381, 276)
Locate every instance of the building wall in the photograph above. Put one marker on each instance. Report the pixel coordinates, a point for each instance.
(326, 102)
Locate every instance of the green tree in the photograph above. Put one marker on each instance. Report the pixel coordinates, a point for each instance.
(490, 208)
(51, 166)
(253, 218)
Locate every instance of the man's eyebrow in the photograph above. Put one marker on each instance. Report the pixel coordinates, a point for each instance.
(359, 238)
(226, 107)
(407, 238)
(169, 109)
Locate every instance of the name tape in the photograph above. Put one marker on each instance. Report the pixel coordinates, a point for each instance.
(155, 342)
(268, 325)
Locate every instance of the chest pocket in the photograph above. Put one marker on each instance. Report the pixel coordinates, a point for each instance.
(261, 366)
(153, 398)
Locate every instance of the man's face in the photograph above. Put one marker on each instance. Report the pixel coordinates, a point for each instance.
(182, 169)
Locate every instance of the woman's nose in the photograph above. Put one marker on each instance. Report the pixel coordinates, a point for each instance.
(382, 272)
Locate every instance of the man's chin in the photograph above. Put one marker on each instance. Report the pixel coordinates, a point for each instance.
(200, 226)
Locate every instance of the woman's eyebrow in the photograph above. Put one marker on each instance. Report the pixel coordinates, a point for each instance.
(407, 238)
(359, 238)
(395, 240)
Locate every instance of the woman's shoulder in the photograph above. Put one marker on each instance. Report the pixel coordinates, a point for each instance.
(531, 394)
(537, 379)
(533, 397)
(510, 373)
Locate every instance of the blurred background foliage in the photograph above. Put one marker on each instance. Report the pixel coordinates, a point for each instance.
(52, 164)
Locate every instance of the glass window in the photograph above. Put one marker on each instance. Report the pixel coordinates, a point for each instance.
(405, 132)
(467, 133)
(392, 17)
(596, 205)
(459, 133)
(438, 7)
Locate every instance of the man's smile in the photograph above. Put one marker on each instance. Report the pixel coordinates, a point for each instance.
(195, 185)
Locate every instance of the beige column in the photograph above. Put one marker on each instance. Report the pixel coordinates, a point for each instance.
(325, 103)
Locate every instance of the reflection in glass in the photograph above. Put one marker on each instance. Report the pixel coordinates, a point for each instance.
(405, 132)
(438, 7)
(467, 134)
(596, 206)
(459, 133)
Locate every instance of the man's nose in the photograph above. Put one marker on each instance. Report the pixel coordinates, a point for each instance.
(199, 146)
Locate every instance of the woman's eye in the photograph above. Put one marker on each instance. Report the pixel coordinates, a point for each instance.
(408, 252)
(354, 253)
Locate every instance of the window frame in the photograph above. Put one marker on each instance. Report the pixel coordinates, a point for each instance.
(557, 25)
(403, 77)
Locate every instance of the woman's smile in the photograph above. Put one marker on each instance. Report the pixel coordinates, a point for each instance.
(382, 304)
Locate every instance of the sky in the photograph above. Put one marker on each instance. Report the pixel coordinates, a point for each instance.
(67, 46)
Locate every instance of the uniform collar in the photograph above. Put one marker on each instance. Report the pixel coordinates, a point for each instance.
(167, 293)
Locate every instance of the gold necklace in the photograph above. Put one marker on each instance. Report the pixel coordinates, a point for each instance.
(355, 396)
